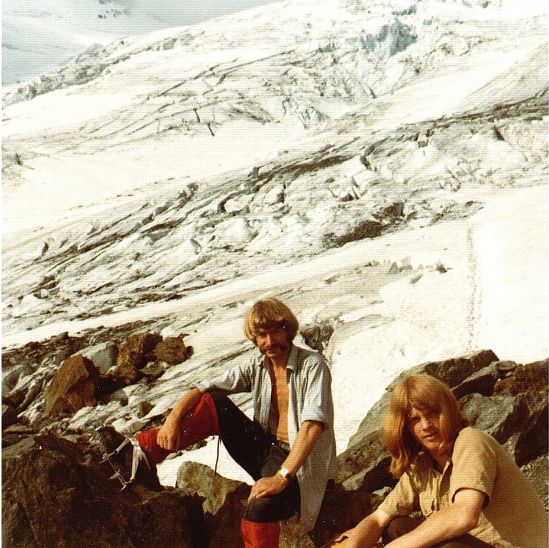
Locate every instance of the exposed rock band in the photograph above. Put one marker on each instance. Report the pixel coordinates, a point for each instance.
(457, 486)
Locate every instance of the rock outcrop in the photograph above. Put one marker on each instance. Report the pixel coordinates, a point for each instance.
(57, 493)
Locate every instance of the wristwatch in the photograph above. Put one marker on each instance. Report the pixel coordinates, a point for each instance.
(285, 473)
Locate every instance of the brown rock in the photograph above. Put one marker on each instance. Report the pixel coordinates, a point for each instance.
(171, 350)
(72, 387)
(523, 378)
(134, 354)
(144, 408)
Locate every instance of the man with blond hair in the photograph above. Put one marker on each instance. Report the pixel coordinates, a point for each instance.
(468, 489)
(289, 446)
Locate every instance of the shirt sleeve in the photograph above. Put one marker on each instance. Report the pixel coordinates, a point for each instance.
(318, 392)
(236, 380)
(474, 462)
(402, 500)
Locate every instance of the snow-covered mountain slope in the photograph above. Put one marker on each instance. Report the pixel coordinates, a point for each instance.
(378, 165)
(40, 36)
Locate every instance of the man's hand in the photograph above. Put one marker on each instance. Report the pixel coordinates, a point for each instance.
(268, 486)
(169, 435)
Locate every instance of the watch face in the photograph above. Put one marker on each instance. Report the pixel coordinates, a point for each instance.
(285, 473)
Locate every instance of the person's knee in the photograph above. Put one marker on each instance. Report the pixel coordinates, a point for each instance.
(259, 510)
(268, 509)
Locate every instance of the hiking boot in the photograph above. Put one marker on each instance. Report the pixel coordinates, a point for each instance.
(129, 462)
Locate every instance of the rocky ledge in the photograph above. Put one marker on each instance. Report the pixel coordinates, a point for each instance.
(57, 492)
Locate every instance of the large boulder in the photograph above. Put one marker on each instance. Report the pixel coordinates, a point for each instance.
(72, 387)
(225, 502)
(56, 492)
(340, 510)
(365, 465)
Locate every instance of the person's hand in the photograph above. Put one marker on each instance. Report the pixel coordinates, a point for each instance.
(168, 436)
(268, 486)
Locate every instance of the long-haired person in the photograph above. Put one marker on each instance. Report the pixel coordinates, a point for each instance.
(467, 488)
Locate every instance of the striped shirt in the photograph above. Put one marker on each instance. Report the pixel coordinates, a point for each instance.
(310, 399)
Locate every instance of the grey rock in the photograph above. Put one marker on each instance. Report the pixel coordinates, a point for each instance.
(481, 382)
(103, 355)
(11, 375)
(224, 499)
(317, 335)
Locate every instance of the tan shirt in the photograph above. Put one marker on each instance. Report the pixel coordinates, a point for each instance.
(514, 516)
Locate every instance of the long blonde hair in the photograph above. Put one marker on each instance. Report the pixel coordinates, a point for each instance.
(268, 313)
(425, 393)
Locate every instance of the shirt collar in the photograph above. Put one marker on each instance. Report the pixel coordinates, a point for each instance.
(425, 462)
(292, 359)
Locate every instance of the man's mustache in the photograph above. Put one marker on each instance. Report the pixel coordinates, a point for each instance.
(272, 347)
